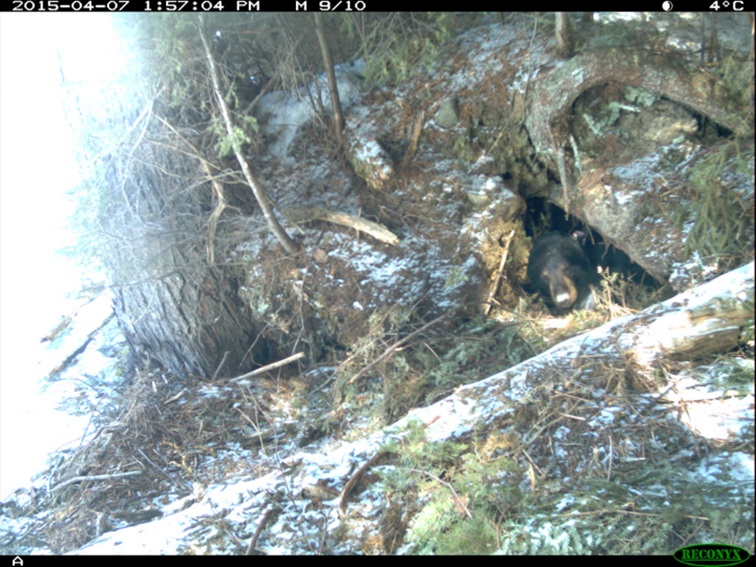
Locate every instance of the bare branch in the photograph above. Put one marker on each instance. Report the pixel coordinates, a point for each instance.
(262, 200)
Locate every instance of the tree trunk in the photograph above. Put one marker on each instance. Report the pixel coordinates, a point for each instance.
(172, 304)
(338, 116)
(564, 38)
(186, 327)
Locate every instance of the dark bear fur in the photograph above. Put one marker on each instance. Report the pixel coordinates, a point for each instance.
(560, 270)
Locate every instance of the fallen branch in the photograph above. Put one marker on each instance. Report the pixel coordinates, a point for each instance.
(353, 480)
(307, 214)
(270, 366)
(93, 477)
(258, 531)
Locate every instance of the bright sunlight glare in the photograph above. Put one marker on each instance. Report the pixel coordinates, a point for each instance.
(38, 168)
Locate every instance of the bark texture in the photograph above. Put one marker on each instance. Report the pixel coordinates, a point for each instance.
(658, 73)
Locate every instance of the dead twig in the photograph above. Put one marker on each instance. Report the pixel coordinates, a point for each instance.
(497, 281)
(222, 362)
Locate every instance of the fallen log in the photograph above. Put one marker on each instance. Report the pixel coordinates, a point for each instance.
(581, 447)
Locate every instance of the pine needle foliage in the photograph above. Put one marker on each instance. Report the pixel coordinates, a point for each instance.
(719, 215)
(400, 44)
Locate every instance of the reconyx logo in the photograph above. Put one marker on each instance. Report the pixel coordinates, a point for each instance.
(707, 554)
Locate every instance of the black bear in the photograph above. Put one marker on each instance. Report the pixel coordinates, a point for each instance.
(560, 270)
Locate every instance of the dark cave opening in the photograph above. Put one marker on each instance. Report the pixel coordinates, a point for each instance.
(542, 216)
